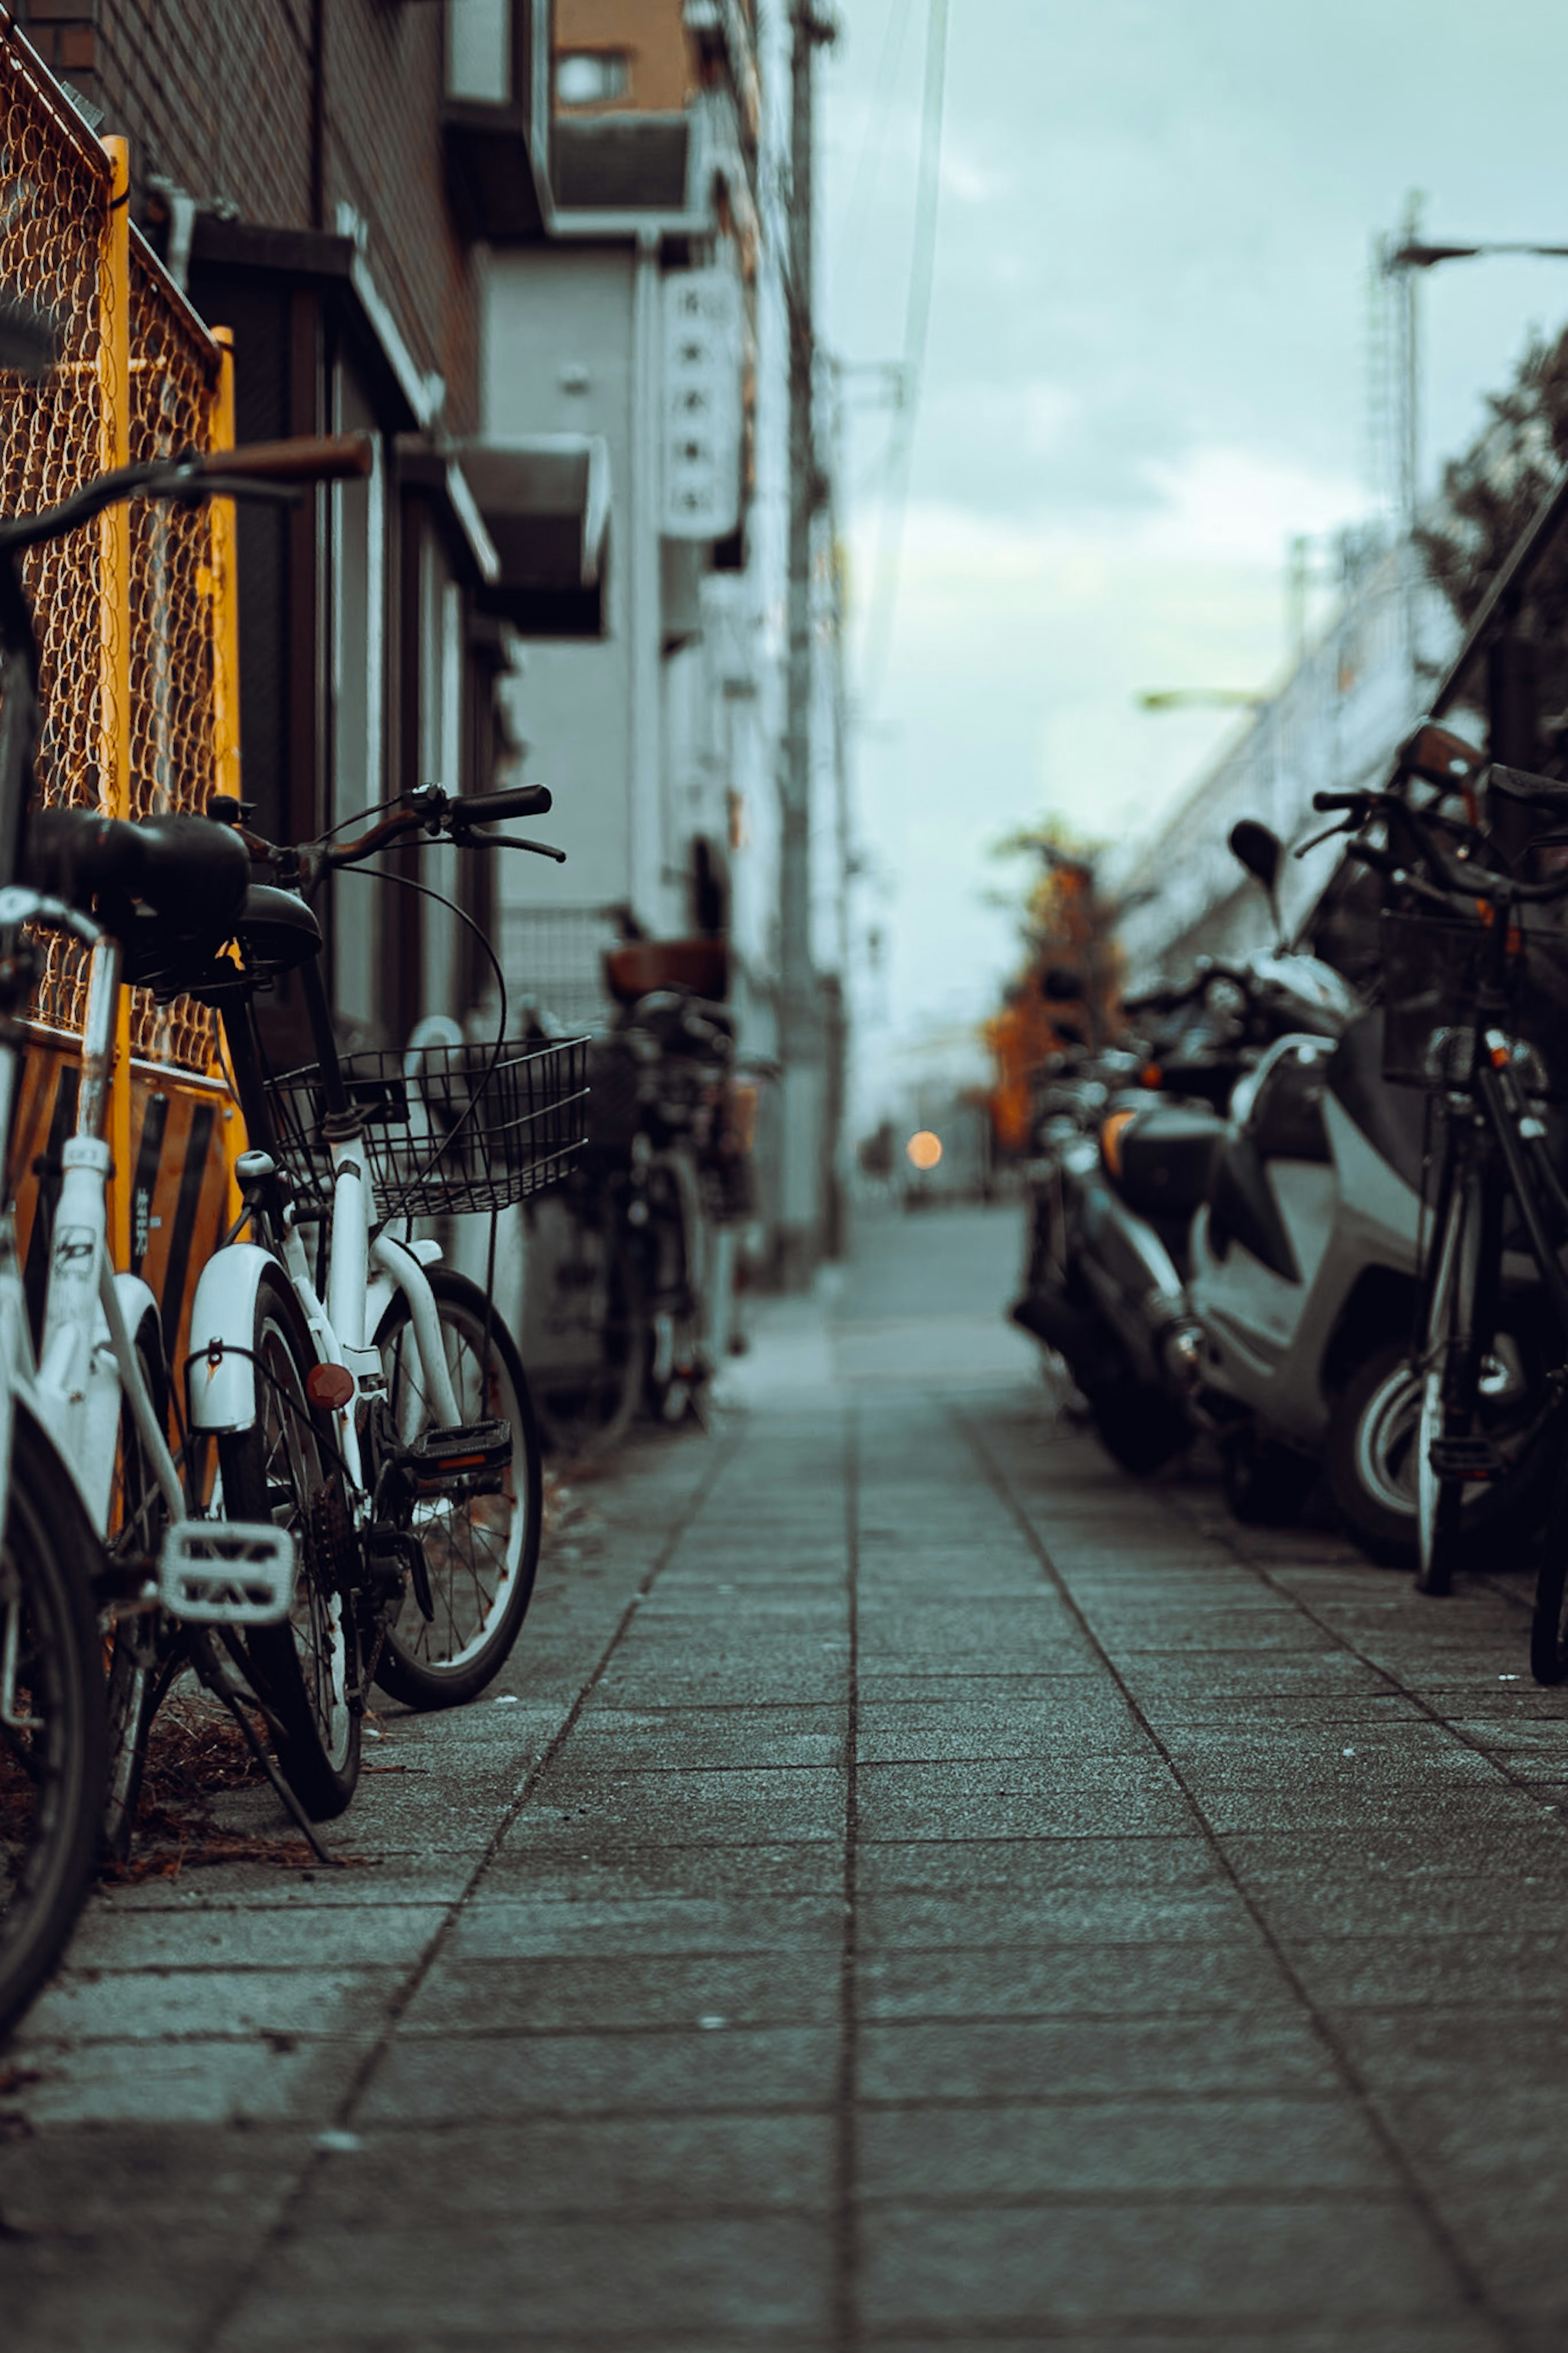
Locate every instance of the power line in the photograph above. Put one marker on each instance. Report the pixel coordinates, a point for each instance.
(868, 161)
(917, 323)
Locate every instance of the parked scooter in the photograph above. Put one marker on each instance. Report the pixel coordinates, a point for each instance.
(1106, 1284)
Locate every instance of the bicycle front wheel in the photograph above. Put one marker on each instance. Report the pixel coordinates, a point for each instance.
(284, 1468)
(51, 1733)
(480, 1535)
(145, 1653)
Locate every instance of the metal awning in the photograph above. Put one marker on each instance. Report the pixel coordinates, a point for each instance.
(545, 501)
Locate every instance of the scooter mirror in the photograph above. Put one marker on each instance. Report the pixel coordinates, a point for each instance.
(1061, 984)
(1259, 848)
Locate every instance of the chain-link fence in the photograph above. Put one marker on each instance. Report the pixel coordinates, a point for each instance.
(127, 608)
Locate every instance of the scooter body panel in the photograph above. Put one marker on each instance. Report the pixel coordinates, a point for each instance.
(1268, 1341)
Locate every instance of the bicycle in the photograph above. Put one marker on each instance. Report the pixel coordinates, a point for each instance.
(68, 1552)
(1470, 1015)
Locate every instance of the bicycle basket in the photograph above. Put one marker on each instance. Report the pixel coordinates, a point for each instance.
(444, 1134)
(1431, 973)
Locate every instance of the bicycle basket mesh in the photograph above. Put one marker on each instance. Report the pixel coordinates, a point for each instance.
(1431, 972)
(444, 1134)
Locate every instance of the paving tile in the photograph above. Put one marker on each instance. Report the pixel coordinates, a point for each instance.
(1180, 1859)
(621, 2166)
(1218, 2266)
(699, 1805)
(437, 2079)
(1010, 1798)
(1059, 1917)
(1099, 1980)
(190, 2083)
(252, 1936)
(139, 2006)
(1172, 2147)
(495, 1997)
(567, 1928)
(613, 2277)
(1035, 2060)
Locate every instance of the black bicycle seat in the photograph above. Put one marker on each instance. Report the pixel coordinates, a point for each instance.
(1520, 784)
(189, 873)
(194, 874)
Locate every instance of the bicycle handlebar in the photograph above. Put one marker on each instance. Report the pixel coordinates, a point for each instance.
(1450, 877)
(428, 808)
(323, 458)
(267, 469)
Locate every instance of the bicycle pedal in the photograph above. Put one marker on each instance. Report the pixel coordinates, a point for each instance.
(438, 1455)
(227, 1572)
(1466, 1457)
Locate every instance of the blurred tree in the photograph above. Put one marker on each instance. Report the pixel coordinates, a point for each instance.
(1487, 495)
(1068, 936)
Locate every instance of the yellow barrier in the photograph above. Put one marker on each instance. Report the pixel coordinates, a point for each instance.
(138, 678)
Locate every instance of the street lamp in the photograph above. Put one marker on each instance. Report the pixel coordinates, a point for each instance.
(1199, 698)
(1511, 682)
(1400, 258)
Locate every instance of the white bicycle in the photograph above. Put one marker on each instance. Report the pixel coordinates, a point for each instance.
(83, 1418)
(358, 1490)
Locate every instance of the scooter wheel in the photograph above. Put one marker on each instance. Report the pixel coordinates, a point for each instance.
(1548, 1627)
(1370, 1455)
(1265, 1484)
(1140, 1427)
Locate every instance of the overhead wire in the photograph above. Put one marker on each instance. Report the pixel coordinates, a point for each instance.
(873, 142)
(878, 641)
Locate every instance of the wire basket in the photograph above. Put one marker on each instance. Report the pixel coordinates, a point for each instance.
(444, 1134)
(1431, 975)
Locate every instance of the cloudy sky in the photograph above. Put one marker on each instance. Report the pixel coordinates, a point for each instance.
(1147, 370)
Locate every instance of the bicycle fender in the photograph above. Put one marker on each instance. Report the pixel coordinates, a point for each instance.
(137, 1302)
(220, 1379)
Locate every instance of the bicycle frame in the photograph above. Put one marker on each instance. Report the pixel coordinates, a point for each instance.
(365, 1268)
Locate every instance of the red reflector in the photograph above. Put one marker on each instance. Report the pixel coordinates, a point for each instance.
(329, 1385)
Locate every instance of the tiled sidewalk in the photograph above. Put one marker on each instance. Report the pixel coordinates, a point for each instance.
(928, 1892)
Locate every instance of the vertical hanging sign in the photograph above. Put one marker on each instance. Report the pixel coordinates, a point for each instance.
(702, 409)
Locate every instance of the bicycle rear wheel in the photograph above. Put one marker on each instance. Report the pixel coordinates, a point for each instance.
(52, 1736)
(588, 1332)
(481, 1536)
(284, 1469)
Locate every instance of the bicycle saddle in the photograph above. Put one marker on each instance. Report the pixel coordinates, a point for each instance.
(1519, 785)
(189, 872)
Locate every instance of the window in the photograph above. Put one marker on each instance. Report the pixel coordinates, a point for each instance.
(590, 77)
(478, 50)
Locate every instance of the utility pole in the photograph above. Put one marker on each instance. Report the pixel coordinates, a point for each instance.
(801, 1039)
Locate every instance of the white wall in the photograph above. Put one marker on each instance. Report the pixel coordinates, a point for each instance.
(555, 315)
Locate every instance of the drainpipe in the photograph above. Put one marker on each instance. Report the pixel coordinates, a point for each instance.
(645, 848)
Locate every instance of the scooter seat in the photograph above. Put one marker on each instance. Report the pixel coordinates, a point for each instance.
(1162, 1161)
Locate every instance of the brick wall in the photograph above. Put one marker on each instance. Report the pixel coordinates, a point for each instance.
(221, 97)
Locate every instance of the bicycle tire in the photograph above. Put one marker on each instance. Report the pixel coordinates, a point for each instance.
(284, 1469)
(1549, 1620)
(480, 1588)
(143, 1653)
(1439, 1501)
(51, 1773)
